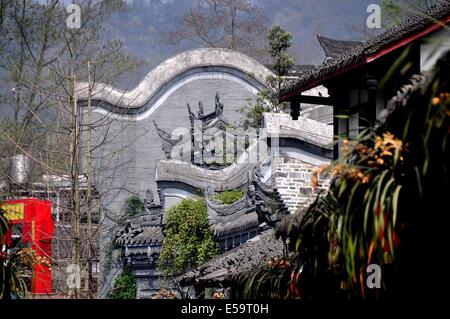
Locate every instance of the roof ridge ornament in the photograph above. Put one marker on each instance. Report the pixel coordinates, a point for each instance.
(334, 48)
(167, 141)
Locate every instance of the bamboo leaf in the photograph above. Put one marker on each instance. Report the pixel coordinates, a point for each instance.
(419, 182)
(366, 211)
(406, 129)
(395, 204)
(342, 187)
(352, 192)
(385, 190)
(391, 243)
(397, 64)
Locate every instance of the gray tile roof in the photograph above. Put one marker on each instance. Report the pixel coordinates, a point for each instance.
(353, 56)
(245, 223)
(237, 262)
(140, 235)
(335, 48)
(296, 69)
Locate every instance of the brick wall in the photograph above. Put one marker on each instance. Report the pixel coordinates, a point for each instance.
(293, 181)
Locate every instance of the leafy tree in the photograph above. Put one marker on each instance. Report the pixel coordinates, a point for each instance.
(124, 286)
(42, 61)
(188, 241)
(279, 41)
(234, 24)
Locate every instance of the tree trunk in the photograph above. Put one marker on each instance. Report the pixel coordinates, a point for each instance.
(87, 283)
(74, 173)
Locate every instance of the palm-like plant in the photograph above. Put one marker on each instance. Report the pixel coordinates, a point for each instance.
(386, 206)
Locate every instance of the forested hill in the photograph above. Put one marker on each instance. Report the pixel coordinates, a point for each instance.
(140, 27)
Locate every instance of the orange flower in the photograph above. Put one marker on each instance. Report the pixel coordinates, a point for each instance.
(314, 180)
(444, 96)
(324, 167)
(378, 142)
(366, 179)
(436, 101)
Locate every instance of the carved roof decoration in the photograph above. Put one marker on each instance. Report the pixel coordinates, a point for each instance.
(334, 48)
(262, 196)
(143, 229)
(206, 119)
(167, 137)
(133, 235)
(167, 141)
(204, 129)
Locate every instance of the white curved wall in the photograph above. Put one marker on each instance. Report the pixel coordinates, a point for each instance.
(170, 69)
(161, 100)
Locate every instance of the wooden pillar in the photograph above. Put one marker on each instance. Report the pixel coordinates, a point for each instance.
(372, 85)
(295, 109)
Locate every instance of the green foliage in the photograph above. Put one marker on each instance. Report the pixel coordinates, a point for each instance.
(279, 42)
(267, 100)
(125, 286)
(229, 197)
(253, 111)
(188, 241)
(134, 205)
(270, 280)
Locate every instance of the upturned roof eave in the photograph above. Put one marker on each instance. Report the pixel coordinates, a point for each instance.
(364, 57)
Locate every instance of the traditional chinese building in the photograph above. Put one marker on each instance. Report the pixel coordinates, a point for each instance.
(362, 76)
(178, 135)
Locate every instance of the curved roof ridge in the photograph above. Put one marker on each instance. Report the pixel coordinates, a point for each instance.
(334, 48)
(169, 69)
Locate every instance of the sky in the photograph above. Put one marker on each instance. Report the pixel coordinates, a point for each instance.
(140, 27)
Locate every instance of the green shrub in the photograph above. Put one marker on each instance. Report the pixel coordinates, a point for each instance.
(188, 241)
(229, 197)
(124, 286)
(134, 205)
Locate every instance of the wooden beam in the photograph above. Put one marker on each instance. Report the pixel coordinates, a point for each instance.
(317, 100)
